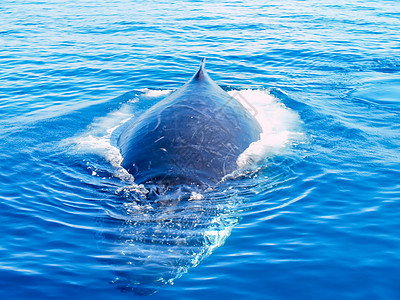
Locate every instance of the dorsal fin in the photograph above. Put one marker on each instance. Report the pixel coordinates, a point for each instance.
(200, 73)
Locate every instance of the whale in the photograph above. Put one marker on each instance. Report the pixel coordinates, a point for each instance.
(179, 208)
(192, 137)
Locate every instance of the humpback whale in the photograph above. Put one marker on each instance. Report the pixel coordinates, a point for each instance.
(179, 149)
(191, 137)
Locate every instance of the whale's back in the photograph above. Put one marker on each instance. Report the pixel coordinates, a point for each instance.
(193, 136)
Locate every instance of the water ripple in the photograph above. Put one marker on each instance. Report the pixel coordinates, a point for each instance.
(318, 219)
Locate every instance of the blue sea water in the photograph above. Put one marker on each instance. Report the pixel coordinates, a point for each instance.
(318, 217)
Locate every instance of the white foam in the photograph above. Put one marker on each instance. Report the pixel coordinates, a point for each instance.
(196, 196)
(97, 140)
(280, 125)
(154, 93)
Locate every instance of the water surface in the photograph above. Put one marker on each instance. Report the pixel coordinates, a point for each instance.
(319, 218)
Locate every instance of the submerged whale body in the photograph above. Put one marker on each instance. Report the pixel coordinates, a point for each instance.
(193, 136)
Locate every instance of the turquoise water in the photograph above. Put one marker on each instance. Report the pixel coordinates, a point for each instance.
(318, 215)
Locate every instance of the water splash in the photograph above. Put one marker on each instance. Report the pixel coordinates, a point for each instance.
(280, 125)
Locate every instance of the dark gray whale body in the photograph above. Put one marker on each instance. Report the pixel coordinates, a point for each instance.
(193, 136)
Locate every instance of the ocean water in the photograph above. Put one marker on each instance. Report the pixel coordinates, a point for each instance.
(314, 215)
